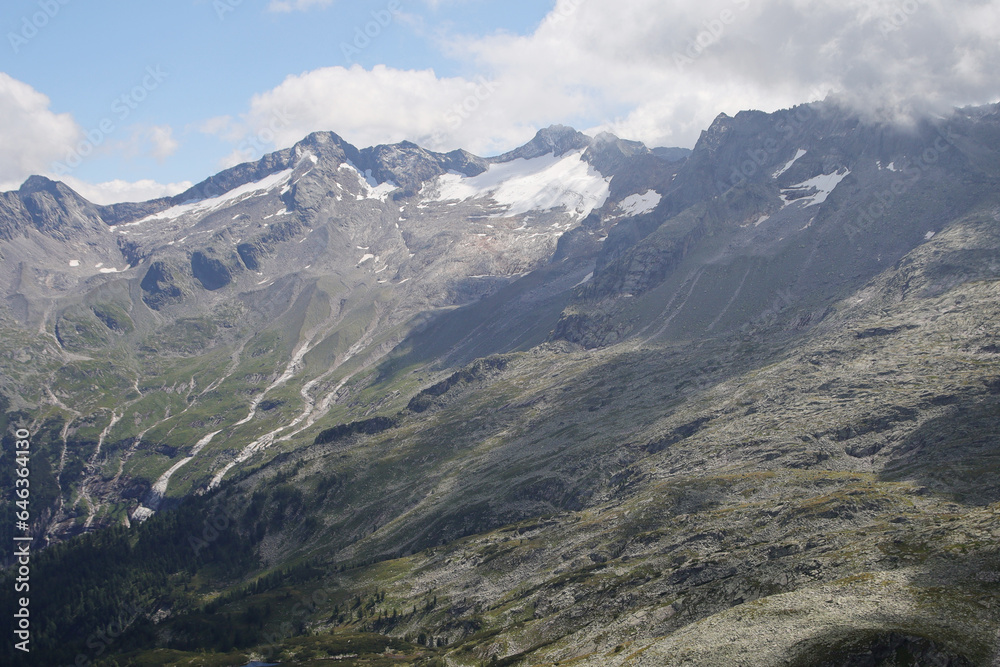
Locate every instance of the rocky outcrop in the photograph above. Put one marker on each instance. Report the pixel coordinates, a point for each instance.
(160, 287)
(409, 166)
(212, 270)
(478, 371)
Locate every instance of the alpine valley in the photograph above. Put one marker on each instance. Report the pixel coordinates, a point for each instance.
(585, 403)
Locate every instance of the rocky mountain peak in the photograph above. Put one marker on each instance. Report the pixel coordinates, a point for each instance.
(36, 184)
(326, 144)
(555, 139)
(409, 166)
(57, 210)
(607, 153)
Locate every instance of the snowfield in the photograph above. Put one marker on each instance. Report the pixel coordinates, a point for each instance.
(207, 205)
(370, 188)
(638, 204)
(798, 154)
(824, 184)
(539, 184)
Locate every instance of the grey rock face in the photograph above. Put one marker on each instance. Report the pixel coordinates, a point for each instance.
(671, 154)
(160, 287)
(410, 167)
(748, 196)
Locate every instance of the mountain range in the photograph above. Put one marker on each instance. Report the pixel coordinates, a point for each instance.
(583, 403)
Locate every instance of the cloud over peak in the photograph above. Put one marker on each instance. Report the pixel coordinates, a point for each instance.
(661, 71)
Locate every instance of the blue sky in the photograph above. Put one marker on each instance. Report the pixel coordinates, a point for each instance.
(212, 58)
(137, 98)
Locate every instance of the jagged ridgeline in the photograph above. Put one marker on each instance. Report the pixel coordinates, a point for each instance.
(587, 402)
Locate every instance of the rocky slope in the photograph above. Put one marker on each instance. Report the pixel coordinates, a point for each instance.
(577, 404)
(238, 311)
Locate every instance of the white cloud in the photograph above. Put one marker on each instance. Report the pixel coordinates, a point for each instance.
(156, 141)
(33, 138)
(113, 192)
(161, 137)
(651, 70)
(661, 71)
(31, 135)
(218, 125)
(381, 105)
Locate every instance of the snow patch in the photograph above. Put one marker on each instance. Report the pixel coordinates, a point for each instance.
(74, 263)
(382, 192)
(365, 258)
(309, 156)
(370, 188)
(541, 183)
(929, 235)
(207, 205)
(111, 270)
(589, 277)
(823, 185)
(788, 165)
(638, 204)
